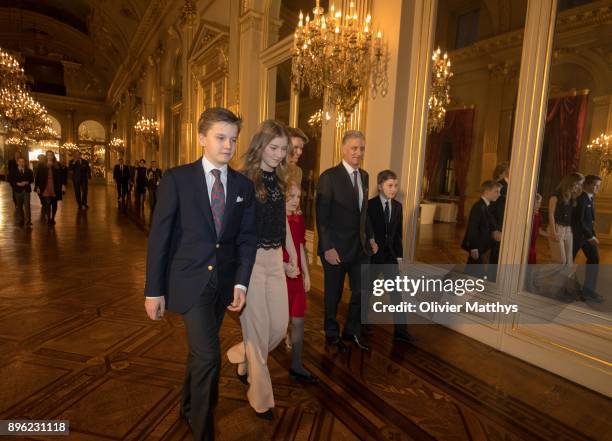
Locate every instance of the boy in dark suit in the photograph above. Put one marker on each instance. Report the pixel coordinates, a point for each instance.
(482, 230)
(21, 179)
(200, 256)
(385, 215)
(585, 239)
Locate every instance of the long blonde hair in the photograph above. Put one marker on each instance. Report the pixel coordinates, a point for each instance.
(266, 132)
(567, 184)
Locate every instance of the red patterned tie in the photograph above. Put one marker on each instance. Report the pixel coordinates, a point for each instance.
(217, 200)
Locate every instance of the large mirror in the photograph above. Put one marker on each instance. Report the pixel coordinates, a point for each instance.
(570, 241)
(469, 142)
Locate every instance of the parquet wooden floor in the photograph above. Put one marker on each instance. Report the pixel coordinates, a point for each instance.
(75, 344)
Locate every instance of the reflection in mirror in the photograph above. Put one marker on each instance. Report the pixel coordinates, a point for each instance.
(279, 90)
(465, 177)
(310, 120)
(572, 214)
(284, 16)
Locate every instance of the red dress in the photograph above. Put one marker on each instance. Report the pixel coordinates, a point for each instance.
(535, 229)
(295, 287)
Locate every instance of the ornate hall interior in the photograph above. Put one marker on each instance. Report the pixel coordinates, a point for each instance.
(445, 92)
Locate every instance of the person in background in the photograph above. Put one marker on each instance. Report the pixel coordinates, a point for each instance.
(20, 179)
(297, 140)
(482, 230)
(50, 183)
(154, 176)
(536, 223)
(81, 174)
(141, 183)
(584, 237)
(121, 175)
(42, 159)
(12, 166)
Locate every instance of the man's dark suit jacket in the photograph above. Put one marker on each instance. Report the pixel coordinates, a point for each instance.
(183, 249)
(481, 224)
(583, 219)
(339, 222)
(82, 173)
(498, 208)
(389, 240)
(14, 177)
(118, 176)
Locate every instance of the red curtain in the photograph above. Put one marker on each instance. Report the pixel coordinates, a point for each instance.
(564, 126)
(458, 129)
(565, 120)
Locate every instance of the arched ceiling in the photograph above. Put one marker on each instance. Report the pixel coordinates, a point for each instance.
(93, 33)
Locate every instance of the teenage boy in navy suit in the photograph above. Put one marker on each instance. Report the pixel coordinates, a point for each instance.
(200, 256)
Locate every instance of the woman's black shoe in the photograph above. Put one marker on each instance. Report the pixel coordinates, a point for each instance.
(304, 378)
(267, 415)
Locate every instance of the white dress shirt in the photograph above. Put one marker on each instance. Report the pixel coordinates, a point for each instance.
(210, 180)
(349, 169)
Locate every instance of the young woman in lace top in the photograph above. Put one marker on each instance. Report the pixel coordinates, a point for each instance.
(266, 314)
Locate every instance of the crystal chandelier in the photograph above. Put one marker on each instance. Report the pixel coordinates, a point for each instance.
(70, 146)
(603, 145)
(16, 142)
(335, 56)
(117, 145)
(440, 90)
(148, 128)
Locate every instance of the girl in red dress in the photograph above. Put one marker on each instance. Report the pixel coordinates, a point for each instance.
(297, 286)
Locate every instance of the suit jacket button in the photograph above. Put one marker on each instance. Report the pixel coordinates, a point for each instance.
(217, 246)
(210, 267)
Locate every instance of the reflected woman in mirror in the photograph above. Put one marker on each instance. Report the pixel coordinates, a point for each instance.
(560, 206)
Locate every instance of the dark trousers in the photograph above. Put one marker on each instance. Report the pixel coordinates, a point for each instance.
(591, 251)
(152, 197)
(333, 285)
(50, 207)
(22, 207)
(388, 271)
(80, 191)
(201, 386)
(122, 189)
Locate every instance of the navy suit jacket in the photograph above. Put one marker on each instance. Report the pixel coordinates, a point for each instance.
(184, 252)
(389, 241)
(583, 219)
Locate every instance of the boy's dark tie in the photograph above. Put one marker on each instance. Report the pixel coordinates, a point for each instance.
(217, 200)
(387, 216)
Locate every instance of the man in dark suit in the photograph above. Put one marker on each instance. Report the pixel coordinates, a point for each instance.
(385, 215)
(81, 173)
(11, 167)
(154, 176)
(200, 256)
(345, 238)
(21, 179)
(482, 230)
(585, 239)
(121, 175)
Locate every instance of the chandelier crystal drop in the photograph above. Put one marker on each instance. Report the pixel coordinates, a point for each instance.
(440, 90)
(336, 56)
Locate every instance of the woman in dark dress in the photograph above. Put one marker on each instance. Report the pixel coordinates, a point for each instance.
(50, 184)
(141, 182)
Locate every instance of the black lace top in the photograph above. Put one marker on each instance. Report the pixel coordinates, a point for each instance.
(563, 210)
(270, 214)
